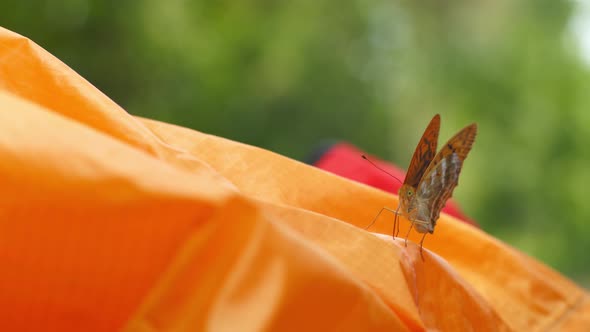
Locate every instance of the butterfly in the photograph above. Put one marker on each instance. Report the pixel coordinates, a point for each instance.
(431, 178)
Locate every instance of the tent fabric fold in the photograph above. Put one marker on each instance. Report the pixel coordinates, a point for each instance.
(114, 222)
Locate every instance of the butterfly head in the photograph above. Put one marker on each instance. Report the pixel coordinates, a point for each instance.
(407, 200)
(414, 210)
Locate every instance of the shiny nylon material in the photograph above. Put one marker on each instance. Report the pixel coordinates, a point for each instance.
(114, 222)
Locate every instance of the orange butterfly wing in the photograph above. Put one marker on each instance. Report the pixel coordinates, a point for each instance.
(424, 153)
(442, 175)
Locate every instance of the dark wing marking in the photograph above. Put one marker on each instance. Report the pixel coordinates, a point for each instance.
(424, 153)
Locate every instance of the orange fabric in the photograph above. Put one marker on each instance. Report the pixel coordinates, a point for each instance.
(110, 222)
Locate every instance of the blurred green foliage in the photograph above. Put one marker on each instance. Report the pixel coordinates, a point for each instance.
(286, 75)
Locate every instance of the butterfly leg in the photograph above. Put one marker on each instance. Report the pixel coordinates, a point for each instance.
(408, 234)
(394, 226)
(378, 214)
(421, 245)
(396, 222)
(375, 219)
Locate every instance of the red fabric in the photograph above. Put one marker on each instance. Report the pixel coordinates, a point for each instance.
(345, 160)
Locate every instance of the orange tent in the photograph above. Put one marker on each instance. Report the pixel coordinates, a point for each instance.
(114, 222)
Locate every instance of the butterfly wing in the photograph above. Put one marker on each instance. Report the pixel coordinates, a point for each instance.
(442, 175)
(424, 153)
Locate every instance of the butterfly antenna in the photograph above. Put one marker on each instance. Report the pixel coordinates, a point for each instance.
(381, 169)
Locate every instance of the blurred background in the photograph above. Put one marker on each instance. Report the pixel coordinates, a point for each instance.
(286, 75)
